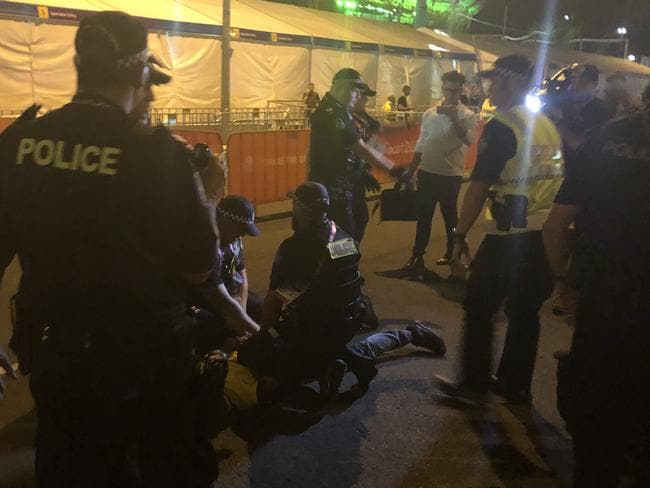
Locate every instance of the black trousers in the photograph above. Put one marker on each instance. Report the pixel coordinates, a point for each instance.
(433, 189)
(605, 386)
(360, 212)
(100, 426)
(341, 212)
(508, 269)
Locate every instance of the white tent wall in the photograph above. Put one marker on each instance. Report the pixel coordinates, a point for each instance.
(396, 71)
(15, 64)
(195, 66)
(261, 72)
(52, 52)
(440, 67)
(326, 62)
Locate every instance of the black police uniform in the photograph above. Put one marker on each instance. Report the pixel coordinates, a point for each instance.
(607, 400)
(321, 270)
(367, 126)
(577, 166)
(332, 162)
(107, 216)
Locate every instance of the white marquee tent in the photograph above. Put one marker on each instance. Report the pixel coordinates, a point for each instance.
(277, 50)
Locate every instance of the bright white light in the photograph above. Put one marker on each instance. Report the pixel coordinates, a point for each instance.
(442, 33)
(533, 103)
(621, 31)
(631, 57)
(566, 17)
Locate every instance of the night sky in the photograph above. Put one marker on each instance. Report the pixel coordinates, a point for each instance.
(590, 18)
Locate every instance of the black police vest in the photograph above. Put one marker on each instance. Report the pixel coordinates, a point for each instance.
(75, 189)
(337, 277)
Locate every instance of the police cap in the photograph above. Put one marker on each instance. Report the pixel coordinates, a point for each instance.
(110, 42)
(351, 75)
(239, 209)
(312, 195)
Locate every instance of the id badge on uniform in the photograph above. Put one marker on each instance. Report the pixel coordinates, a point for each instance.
(342, 248)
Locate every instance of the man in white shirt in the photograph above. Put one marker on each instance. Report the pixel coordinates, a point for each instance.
(445, 133)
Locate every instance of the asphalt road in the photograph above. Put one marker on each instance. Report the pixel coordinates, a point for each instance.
(402, 433)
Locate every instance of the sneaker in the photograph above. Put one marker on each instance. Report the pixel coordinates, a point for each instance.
(443, 261)
(364, 370)
(513, 397)
(460, 392)
(331, 382)
(370, 320)
(425, 336)
(415, 263)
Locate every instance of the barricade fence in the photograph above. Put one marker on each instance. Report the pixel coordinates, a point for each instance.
(265, 166)
(269, 159)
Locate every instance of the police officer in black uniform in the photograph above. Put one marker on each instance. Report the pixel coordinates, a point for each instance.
(603, 383)
(336, 145)
(110, 221)
(315, 295)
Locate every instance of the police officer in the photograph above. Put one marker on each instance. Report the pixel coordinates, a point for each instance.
(110, 221)
(335, 145)
(315, 280)
(603, 383)
(520, 166)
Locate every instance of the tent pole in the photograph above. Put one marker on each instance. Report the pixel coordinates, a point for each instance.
(226, 53)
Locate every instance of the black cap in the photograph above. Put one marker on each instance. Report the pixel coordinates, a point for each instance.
(312, 195)
(585, 72)
(350, 74)
(110, 41)
(241, 210)
(513, 66)
(156, 76)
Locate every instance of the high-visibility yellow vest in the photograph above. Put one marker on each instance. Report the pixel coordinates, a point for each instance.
(537, 169)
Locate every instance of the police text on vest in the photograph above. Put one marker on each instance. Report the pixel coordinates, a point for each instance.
(88, 159)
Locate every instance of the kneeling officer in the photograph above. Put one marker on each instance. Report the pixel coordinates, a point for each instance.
(110, 221)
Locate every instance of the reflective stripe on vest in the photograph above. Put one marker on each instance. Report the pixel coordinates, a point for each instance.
(537, 169)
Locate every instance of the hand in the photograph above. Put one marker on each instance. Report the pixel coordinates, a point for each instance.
(6, 365)
(371, 183)
(460, 258)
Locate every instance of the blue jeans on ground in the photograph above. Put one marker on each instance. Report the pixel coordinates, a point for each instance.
(360, 356)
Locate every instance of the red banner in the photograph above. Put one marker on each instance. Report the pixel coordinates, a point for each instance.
(399, 143)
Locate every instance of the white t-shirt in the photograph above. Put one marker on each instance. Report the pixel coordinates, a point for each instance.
(443, 152)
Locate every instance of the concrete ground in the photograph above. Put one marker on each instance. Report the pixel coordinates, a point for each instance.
(401, 433)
